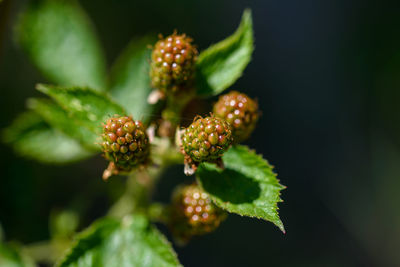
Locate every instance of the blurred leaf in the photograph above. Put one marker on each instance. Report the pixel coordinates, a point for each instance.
(59, 38)
(132, 242)
(87, 107)
(130, 80)
(219, 66)
(247, 186)
(32, 137)
(59, 118)
(12, 256)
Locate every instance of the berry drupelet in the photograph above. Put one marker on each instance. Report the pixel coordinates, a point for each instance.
(173, 64)
(240, 111)
(125, 143)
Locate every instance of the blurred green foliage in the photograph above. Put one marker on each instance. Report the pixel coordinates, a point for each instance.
(325, 74)
(60, 40)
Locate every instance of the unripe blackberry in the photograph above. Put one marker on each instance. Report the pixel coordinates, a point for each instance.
(173, 64)
(125, 142)
(206, 139)
(240, 111)
(193, 213)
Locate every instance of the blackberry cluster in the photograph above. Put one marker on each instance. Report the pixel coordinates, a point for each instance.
(206, 139)
(193, 213)
(240, 111)
(173, 64)
(125, 142)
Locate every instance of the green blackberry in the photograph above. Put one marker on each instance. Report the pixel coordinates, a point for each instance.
(193, 213)
(173, 64)
(240, 111)
(205, 140)
(125, 143)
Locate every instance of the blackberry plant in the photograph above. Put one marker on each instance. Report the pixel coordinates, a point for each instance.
(85, 114)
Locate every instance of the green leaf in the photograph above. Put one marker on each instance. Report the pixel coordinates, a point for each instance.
(32, 137)
(247, 186)
(60, 39)
(60, 119)
(12, 256)
(130, 81)
(132, 242)
(220, 65)
(87, 107)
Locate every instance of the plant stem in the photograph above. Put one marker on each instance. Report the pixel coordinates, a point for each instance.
(172, 113)
(139, 188)
(158, 212)
(140, 184)
(136, 197)
(47, 251)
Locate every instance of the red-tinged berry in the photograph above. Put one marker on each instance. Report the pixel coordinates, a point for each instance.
(240, 111)
(206, 140)
(125, 143)
(193, 213)
(173, 64)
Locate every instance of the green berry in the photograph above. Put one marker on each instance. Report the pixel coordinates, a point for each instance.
(206, 139)
(240, 111)
(193, 213)
(173, 64)
(125, 142)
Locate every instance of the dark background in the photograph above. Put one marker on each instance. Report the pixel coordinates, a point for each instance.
(326, 74)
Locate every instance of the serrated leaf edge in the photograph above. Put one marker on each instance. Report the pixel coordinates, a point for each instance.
(82, 235)
(246, 19)
(44, 88)
(104, 221)
(281, 187)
